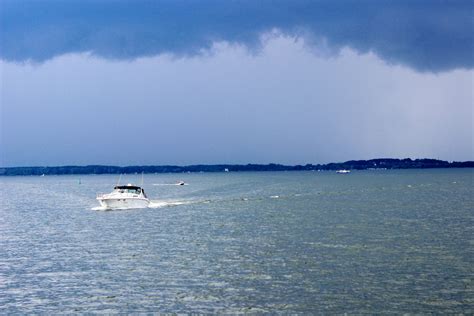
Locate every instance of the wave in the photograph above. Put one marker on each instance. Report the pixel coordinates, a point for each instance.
(164, 203)
(99, 208)
(154, 204)
(160, 204)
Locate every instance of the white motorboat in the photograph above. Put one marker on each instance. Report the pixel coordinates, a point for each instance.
(343, 171)
(124, 197)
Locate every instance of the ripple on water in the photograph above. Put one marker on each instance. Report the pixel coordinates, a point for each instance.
(302, 242)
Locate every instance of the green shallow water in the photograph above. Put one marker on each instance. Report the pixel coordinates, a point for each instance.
(395, 241)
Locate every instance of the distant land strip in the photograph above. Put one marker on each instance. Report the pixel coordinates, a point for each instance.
(385, 163)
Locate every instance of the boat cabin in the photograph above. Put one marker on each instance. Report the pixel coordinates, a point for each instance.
(130, 189)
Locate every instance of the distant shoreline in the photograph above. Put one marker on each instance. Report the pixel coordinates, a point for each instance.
(384, 163)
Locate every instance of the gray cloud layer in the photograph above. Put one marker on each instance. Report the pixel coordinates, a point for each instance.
(424, 35)
(283, 105)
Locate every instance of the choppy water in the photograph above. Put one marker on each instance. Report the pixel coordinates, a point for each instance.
(290, 242)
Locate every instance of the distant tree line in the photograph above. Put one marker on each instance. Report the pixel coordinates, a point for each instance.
(351, 165)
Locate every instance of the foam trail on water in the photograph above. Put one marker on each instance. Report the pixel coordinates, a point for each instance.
(99, 208)
(169, 203)
(153, 204)
(158, 204)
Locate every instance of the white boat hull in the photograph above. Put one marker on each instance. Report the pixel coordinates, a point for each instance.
(123, 203)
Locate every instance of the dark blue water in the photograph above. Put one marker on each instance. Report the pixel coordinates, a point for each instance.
(289, 242)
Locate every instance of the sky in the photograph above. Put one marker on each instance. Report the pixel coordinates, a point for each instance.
(203, 82)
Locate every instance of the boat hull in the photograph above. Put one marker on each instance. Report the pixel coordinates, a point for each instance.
(123, 203)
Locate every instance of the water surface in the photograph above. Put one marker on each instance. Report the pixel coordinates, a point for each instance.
(291, 242)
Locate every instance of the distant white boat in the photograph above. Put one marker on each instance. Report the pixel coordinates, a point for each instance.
(343, 171)
(124, 197)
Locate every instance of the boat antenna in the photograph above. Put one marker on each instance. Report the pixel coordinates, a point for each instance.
(120, 177)
(142, 180)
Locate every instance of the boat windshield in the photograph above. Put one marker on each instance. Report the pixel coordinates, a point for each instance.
(132, 191)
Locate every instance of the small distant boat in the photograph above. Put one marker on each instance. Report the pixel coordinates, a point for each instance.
(343, 171)
(180, 183)
(124, 197)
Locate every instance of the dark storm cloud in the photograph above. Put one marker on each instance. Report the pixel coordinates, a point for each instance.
(424, 35)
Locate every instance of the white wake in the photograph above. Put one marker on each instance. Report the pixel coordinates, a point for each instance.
(153, 204)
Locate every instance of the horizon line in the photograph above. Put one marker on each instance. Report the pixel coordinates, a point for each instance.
(236, 164)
